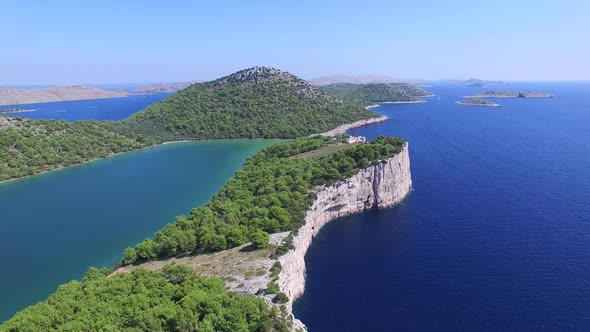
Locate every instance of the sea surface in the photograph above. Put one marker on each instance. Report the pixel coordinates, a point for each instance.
(495, 235)
(54, 226)
(91, 109)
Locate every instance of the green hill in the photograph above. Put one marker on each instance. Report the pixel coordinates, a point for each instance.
(375, 93)
(259, 102)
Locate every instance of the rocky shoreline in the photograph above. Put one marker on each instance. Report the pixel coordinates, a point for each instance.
(380, 186)
(342, 129)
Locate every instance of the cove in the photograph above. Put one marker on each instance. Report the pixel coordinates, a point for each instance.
(55, 225)
(494, 235)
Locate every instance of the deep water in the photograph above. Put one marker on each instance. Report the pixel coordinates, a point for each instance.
(92, 109)
(494, 236)
(56, 225)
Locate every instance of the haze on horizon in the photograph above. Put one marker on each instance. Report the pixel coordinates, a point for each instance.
(72, 42)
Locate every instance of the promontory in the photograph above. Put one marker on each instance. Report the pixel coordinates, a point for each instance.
(237, 263)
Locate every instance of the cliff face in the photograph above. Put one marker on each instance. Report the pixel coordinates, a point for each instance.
(375, 187)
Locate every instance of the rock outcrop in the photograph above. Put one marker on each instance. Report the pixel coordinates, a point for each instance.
(375, 187)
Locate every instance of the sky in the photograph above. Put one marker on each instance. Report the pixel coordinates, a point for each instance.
(94, 42)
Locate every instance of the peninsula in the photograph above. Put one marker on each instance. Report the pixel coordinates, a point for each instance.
(254, 232)
(316, 180)
(512, 94)
(478, 102)
(12, 96)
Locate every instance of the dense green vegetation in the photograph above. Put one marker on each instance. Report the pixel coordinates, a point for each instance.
(270, 194)
(174, 299)
(366, 94)
(253, 103)
(28, 147)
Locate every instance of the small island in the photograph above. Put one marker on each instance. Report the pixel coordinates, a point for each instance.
(512, 94)
(477, 83)
(478, 102)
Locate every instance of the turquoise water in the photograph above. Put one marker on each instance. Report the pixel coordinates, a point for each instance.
(56, 225)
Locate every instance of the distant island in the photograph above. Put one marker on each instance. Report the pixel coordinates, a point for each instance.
(478, 102)
(13, 96)
(163, 87)
(363, 79)
(512, 94)
(377, 92)
(477, 83)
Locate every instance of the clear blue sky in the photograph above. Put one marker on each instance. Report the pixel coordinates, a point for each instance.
(66, 42)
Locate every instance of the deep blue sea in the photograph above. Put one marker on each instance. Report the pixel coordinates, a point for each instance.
(494, 236)
(92, 109)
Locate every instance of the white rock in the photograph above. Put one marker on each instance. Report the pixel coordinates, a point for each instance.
(375, 187)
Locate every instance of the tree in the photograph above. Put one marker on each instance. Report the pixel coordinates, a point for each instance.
(130, 256)
(260, 239)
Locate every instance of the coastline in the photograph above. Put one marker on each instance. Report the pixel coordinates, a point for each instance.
(340, 130)
(60, 168)
(5, 102)
(375, 187)
(334, 132)
(398, 102)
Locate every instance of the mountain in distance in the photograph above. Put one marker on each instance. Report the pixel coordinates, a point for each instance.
(477, 83)
(362, 79)
(163, 87)
(14, 96)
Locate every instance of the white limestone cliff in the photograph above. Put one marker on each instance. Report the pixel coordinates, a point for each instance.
(375, 187)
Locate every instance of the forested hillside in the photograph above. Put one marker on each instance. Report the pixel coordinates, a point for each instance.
(253, 103)
(365, 94)
(29, 147)
(270, 194)
(174, 299)
(258, 102)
